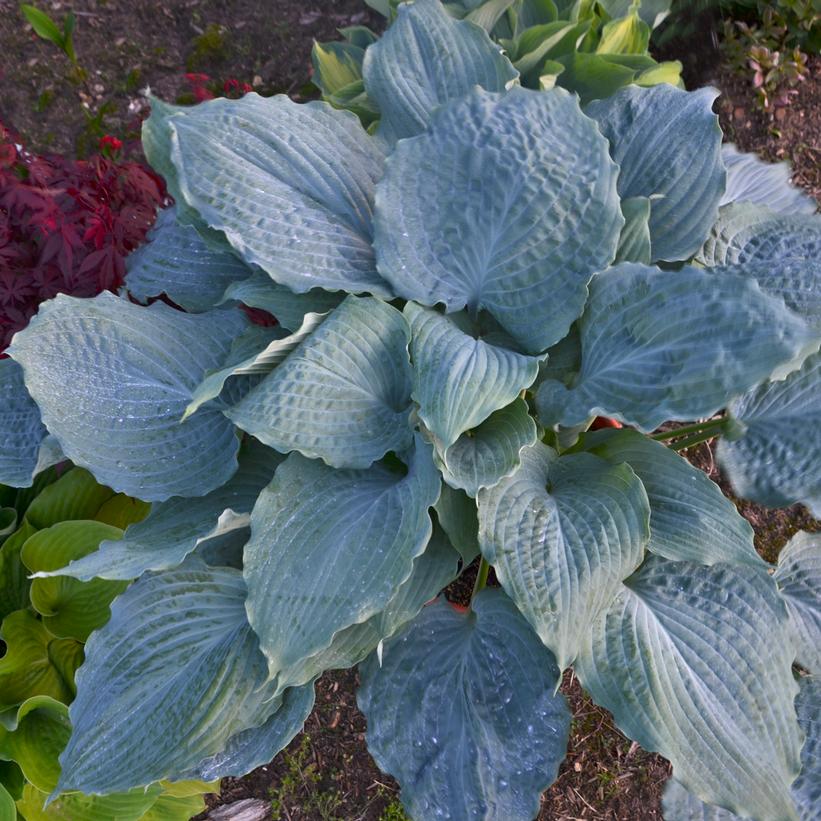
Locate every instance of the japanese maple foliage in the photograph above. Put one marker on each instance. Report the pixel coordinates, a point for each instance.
(66, 226)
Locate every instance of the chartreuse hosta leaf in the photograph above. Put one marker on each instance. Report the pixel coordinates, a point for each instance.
(651, 12)
(197, 680)
(746, 232)
(22, 429)
(177, 526)
(130, 806)
(70, 608)
(178, 262)
(41, 730)
(482, 456)
(432, 572)
(329, 548)
(405, 73)
(667, 143)
(475, 212)
(798, 576)
(562, 534)
(14, 581)
(750, 179)
(660, 345)
(695, 663)
(127, 373)
(463, 712)
(75, 495)
(35, 662)
(260, 291)
(774, 461)
(343, 395)
(290, 185)
(459, 379)
(690, 518)
(8, 811)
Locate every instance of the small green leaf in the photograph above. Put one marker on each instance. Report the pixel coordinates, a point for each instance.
(8, 811)
(463, 711)
(625, 35)
(43, 25)
(14, 581)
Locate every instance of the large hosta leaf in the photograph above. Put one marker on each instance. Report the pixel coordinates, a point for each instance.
(458, 516)
(22, 429)
(667, 143)
(776, 460)
(432, 572)
(14, 581)
(70, 608)
(807, 787)
(482, 456)
(747, 232)
(195, 682)
(562, 534)
(329, 548)
(798, 576)
(425, 59)
(129, 806)
(459, 379)
(290, 185)
(463, 712)
(176, 527)
(343, 395)
(750, 179)
(695, 663)
(690, 518)
(178, 262)
(35, 662)
(660, 345)
(256, 746)
(680, 805)
(260, 291)
(476, 213)
(127, 374)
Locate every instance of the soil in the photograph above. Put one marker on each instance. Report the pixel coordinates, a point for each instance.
(125, 46)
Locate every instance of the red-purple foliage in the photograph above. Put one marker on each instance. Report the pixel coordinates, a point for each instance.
(66, 225)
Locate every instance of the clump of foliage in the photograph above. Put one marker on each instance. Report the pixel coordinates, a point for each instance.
(459, 295)
(772, 41)
(592, 48)
(47, 29)
(44, 625)
(66, 226)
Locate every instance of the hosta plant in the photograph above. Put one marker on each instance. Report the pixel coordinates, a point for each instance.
(592, 48)
(458, 296)
(44, 624)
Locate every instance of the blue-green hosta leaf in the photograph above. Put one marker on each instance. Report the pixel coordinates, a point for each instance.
(343, 395)
(260, 291)
(746, 232)
(680, 805)
(776, 460)
(458, 379)
(256, 353)
(660, 345)
(562, 534)
(667, 143)
(290, 185)
(458, 516)
(634, 242)
(329, 548)
(806, 788)
(256, 746)
(463, 712)
(22, 429)
(69, 608)
(178, 262)
(127, 374)
(449, 228)
(195, 682)
(425, 59)
(798, 576)
(690, 518)
(750, 179)
(176, 527)
(436, 568)
(481, 457)
(695, 663)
